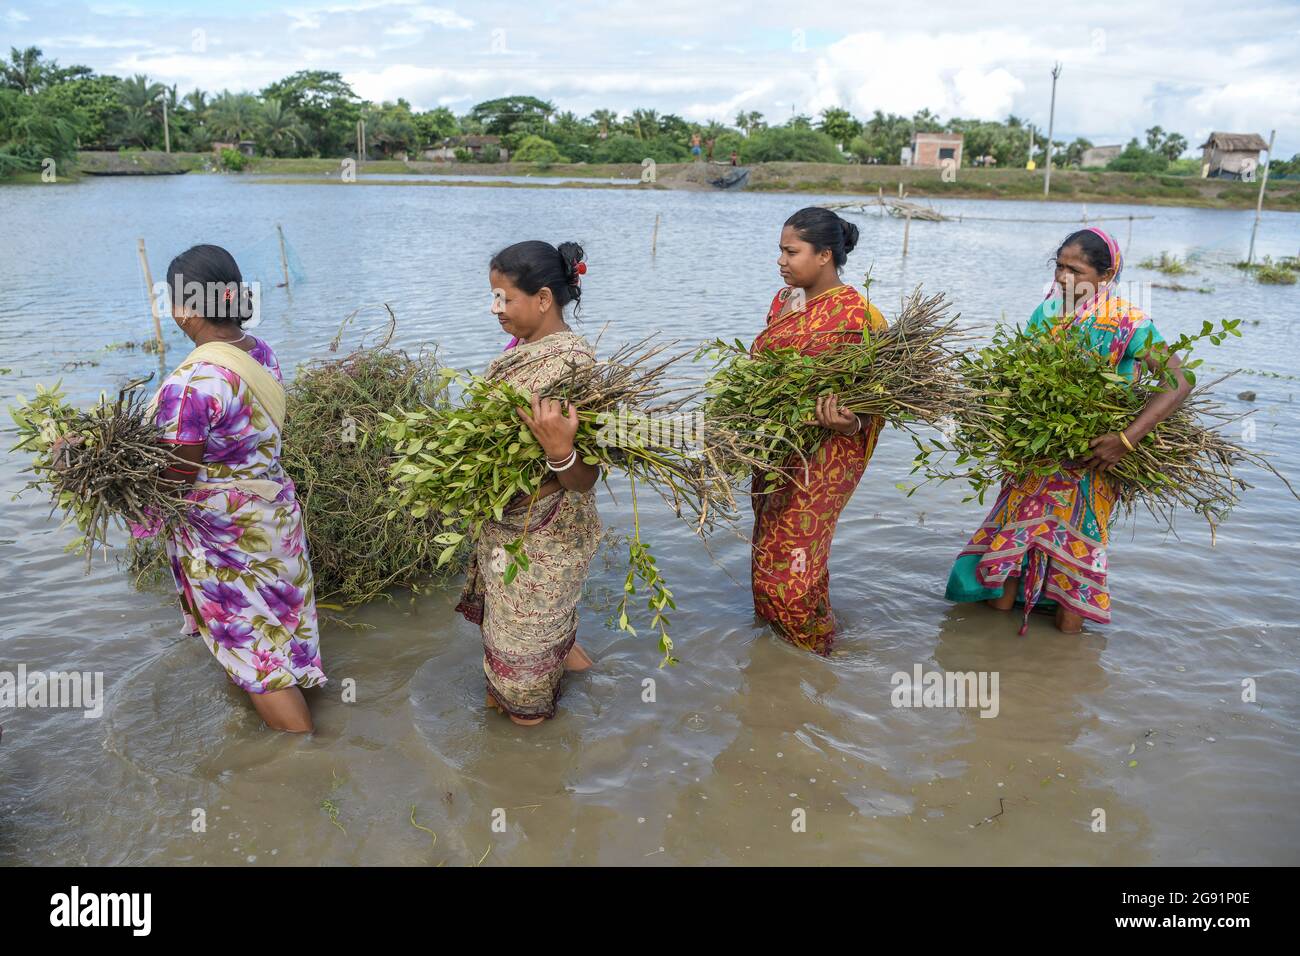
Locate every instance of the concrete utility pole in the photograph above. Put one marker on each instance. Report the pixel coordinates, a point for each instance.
(1051, 123)
(167, 133)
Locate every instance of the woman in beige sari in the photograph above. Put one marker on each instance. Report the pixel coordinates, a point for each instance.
(529, 626)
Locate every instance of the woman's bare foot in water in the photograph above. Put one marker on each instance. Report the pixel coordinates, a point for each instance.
(1067, 622)
(521, 721)
(1007, 599)
(577, 660)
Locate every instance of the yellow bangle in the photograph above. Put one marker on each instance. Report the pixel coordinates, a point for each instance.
(1127, 444)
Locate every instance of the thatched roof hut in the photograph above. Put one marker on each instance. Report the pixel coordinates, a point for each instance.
(1231, 155)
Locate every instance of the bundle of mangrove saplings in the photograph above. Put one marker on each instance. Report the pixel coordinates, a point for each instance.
(464, 463)
(760, 408)
(109, 463)
(339, 462)
(339, 465)
(330, 449)
(1038, 401)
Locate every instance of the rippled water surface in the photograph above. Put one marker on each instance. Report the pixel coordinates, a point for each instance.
(1142, 719)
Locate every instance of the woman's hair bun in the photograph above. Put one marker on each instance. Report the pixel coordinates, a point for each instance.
(571, 254)
(850, 234)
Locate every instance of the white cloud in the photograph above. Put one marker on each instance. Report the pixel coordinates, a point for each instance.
(982, 93)
(115, 10)
(950, 74)
(88, 42)
(438, 16)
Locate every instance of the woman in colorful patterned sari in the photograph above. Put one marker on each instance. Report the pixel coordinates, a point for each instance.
(795, 521)
(240, 565)
(530, 625)
(1044, 542)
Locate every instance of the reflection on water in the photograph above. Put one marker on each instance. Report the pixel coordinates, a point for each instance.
(720, 758)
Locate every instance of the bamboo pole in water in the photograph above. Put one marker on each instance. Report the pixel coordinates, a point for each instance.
(907, 228)
(284, 260)
(153, 301)
(1259, 203)
(654, 236)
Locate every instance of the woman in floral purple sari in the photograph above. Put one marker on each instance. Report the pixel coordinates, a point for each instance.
(240, 564)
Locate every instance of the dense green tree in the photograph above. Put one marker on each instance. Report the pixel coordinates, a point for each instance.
(1135, 159)
(839, 125)
(1285, 167)
(391, 128)
(511, 115)
(791, 144)
(673, 126)
(435, 125)
(92, 104)
(1174, 145)
(326, 105)
(622, 148)
(32, 130)
(534, 149)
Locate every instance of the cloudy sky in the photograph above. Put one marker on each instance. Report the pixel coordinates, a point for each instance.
(1191, 66)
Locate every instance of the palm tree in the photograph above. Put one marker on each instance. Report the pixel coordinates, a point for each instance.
(24, 70)
(197, 101)
(279, 128)
(140, 94)
(233, 116)
(604, 119)
(748, 122)
(138, 127)
(642, 122)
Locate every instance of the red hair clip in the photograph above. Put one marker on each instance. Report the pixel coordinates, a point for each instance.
(581, 268)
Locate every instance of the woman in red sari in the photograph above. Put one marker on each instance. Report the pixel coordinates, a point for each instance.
(793, 525)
